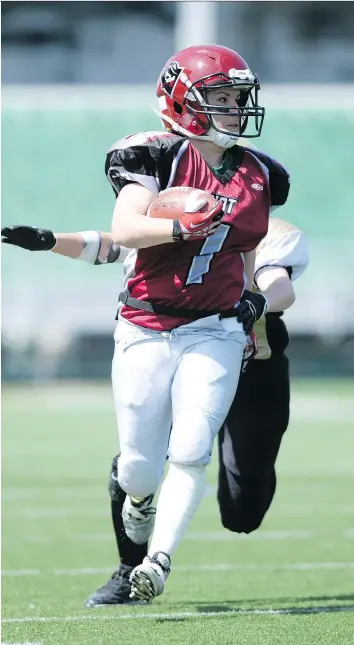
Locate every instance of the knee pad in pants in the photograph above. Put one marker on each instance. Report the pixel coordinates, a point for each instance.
(137, 477)
(191, 440)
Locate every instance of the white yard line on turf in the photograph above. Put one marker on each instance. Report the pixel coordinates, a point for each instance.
(11, 494)
(54, 513)
(298, 510)
(63, 514)
(219, 536)
(21, 572)
(177, 615)
(210, 536)
(246, 566)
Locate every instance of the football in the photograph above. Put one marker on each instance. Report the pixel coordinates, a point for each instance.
(174, 202)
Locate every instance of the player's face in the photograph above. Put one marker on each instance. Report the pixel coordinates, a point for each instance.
(227, 99)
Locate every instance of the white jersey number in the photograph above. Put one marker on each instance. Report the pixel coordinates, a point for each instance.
(201, 262)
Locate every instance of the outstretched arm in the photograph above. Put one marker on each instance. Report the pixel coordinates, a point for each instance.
(94, 247)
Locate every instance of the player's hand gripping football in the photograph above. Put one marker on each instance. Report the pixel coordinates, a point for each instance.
(195, 226)
(196, 214)
(28, 237)
(252, 307)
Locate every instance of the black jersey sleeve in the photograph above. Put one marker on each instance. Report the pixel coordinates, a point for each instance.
(145, 158)
(278, 177)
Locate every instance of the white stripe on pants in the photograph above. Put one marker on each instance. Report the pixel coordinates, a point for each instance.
(186, 378)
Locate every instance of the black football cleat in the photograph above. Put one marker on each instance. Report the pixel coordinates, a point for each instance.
(115, 592)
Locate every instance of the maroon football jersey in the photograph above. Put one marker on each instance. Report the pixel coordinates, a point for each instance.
(201, 275)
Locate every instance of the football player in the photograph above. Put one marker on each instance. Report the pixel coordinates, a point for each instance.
(180, 335)
(250, 438)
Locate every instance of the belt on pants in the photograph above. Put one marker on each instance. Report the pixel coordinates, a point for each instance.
(166, 310)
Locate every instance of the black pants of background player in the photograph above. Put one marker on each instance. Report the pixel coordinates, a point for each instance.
(248, 446)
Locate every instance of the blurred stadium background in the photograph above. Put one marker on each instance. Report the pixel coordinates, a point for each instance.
(76, 77)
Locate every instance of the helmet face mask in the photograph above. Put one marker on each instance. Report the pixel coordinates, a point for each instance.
(247, 104)
(183, 91)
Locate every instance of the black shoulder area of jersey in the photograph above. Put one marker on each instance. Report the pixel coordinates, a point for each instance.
(279, 179)
(146, 157)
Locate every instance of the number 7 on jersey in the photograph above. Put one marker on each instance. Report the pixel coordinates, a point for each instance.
(201, 262)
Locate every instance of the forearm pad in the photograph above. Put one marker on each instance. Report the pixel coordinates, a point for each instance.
(91, 251)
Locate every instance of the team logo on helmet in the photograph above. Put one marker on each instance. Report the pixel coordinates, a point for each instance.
(170, 77)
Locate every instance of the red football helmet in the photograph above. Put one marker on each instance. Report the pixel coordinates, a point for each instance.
(181, 92)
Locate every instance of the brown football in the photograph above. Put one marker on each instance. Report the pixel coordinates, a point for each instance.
(175, 202)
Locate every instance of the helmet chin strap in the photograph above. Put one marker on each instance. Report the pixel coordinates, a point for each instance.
(224, 141)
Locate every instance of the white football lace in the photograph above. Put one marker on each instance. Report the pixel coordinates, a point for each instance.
(194, 202)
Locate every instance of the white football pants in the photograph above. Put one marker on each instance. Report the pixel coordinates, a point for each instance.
(172, 392)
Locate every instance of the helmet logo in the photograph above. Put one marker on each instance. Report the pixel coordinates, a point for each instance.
(170, 77)
(241, 73)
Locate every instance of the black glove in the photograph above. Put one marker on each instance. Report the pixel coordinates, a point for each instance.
(29, 237)
(252, 307)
